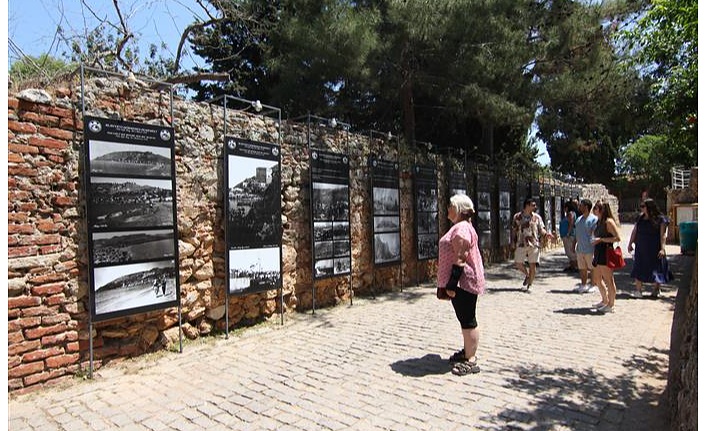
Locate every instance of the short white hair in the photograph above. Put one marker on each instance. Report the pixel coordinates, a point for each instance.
(462, 204)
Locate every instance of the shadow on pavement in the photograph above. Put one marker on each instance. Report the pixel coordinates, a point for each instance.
(585, 398)
(420, 367)
(583, 311)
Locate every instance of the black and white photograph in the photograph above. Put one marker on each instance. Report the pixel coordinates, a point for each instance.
(547, 215)
(427, 246)
(254, 208)
(386, 224)
(427, 200)
(121, 159)
(323, 268)
(140, 287)
(505, 220)
(117, 203)
(483, 220)
(254, 270)
(387, 247)
(483, 201)
(342, 248)
(521, 193)
(329, 201)
(323, 249)
(341, 230)
(504, 200)
(120, 248)
(427, 223)
(535, 188)
(323, 231)
(386, 201)
(342, 265)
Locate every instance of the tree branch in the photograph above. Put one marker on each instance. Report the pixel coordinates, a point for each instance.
(206, 76)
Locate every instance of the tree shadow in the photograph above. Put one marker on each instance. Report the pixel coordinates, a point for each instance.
(585, 398)
(428, 364)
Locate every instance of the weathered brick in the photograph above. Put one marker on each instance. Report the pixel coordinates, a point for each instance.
(27, 206)
(47, 278)
(62, 360)
(32, 334)
(48, 289)
(38, 311)
(12, 102)
(14, 335)
(72, 347)
(13, 240)
(21, 127)
(22, 149)
(56, 318)
(66, 266)
(47, 226)
(56, 159)
(25, 346)
(23, 302)
(15, 385)
(51, 340)
(29, 321)
(13, 361)
(56, 133)
(13, 313)
(18, 195)
(15, 158)
(44, 377)
(25, 369)
(21, 171)
(21, 251)
(20, 217)
(50, 249)
(20, 228)
(70, 123)
(42, 354)
(46, 239)
(47, 142)
(53, 110)
(59, 299)
(63, 201)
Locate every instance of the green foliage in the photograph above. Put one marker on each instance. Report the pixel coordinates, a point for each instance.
(42, 67)
(665, 43)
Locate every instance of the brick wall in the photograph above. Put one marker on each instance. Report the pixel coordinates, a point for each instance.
(48, 316)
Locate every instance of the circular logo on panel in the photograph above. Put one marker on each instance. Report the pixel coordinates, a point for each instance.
(232, 144)
(375, 163)
(165, 135)
(275, 151)
(345, 159)
(95, 126)
(314, 155)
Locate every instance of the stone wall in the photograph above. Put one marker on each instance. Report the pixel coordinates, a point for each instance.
(48, 304)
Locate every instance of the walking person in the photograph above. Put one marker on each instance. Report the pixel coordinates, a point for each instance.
(568, 235)
(585, 225)
(527, 232)
(649, 238)
(605, 234)
(461, 277)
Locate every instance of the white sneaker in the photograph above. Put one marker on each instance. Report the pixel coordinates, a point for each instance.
(598, 305)
(578, 288)
(590, 288)
(605, 309)
(637, 294)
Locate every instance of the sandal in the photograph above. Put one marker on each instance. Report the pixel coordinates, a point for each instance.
(466, 367)
(459, 356)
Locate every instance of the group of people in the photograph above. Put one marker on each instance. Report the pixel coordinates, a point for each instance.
(587, 235)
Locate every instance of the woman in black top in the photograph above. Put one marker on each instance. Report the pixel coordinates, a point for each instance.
(605, 235)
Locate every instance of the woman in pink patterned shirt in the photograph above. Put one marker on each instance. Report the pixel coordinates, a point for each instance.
(461, 278)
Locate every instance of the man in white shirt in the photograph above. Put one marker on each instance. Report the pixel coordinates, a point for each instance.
(527, 231)
(584, 227)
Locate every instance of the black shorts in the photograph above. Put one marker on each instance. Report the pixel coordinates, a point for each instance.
(465, 307)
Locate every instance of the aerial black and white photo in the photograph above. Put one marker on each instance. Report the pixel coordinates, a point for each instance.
(341, 248)
(427, 223)
(342, 265)
(117, 290)
(119, 248)
(122, 159)
(386, 224)
(323, 268)
(130, 203)
(254, 269)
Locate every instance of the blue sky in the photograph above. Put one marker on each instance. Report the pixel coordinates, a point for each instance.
(32, 27)
(32, 24)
